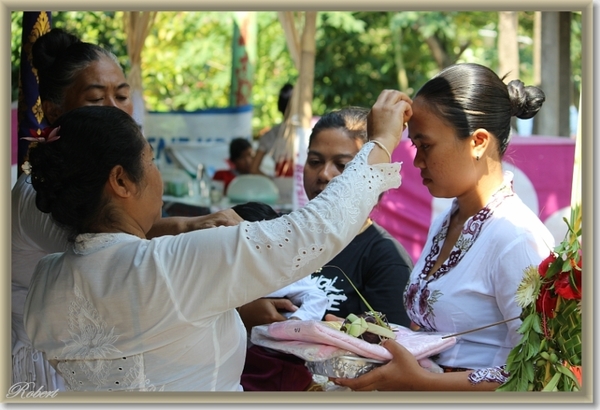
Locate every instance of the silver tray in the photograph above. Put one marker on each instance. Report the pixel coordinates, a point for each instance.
(347, 367)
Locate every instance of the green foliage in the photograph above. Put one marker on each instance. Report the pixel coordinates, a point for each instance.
(187, 55)
(354, 65)
(550, 347)
(274, 67)
(186, 63)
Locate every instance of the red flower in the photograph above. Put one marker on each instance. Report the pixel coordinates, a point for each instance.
(568, 284)
(563, 287)
(545, 264)
(546, 301)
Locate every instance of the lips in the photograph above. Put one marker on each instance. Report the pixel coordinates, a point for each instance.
(425, 179)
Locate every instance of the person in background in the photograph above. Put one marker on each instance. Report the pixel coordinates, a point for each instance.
(476, 252)
(309, 302)
(275, 143)
(241, 155)
(265, 369)
(376, 263)
(119, 311)
(71, 74)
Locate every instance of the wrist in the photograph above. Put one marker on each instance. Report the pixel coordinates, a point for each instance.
(380, 145)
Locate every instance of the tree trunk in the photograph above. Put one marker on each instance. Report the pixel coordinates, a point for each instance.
(508, 46)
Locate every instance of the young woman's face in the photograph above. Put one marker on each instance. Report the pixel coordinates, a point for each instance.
(100, 83)
(445, 161)
(328, 154)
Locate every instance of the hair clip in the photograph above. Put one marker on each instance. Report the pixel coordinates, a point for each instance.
(48, 134)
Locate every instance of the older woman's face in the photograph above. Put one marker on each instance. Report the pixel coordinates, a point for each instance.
(100, 83)
(330, 151)
(445, 161)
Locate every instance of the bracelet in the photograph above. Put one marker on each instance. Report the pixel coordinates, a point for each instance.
(380, 144)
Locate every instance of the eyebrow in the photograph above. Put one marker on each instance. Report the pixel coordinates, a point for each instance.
(416, 137)
(102, 87)
(337, 156)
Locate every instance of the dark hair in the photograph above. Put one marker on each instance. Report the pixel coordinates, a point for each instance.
(470, 96)
(69, 174)
(58, 57)
(255, 211)
(353, 120)
(284, 97)
(237, 146)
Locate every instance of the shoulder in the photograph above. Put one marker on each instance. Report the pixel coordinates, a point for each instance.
(514, 220)
(382, 246)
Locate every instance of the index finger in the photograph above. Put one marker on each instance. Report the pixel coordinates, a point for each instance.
(393, 96)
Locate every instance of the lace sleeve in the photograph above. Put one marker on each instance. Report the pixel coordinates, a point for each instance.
(496, 374)
(338, 212)
(231, 266)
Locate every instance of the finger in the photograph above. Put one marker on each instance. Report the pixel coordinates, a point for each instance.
(395, 348)
(333, 318)
(366, 382)
(284, 304)
(393, 96)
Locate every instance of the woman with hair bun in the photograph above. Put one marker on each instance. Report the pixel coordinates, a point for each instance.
(475, 254)
(71, 73)
(119, 311)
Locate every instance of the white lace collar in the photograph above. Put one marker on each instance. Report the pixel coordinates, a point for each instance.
(86, 243)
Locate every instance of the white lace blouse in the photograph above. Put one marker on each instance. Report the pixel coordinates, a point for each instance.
(116, 312)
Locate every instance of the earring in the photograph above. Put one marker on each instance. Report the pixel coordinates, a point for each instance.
(477, 157)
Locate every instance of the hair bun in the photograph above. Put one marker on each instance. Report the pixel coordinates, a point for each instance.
(50, 46)
(525, 101)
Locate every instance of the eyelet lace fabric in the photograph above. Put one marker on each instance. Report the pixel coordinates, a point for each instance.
(88, 242)
(349, 199)
(127, 315)
(89, 362)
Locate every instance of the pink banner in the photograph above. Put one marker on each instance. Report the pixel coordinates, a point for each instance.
(543, 168)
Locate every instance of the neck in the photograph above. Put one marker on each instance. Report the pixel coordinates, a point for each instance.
(367, 223)
(471, 202)
(128, 229)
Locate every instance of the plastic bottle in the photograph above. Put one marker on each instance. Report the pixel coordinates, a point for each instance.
(204, 186)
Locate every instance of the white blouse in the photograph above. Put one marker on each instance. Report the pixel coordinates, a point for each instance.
(485, 268)
(33, 236)
(116, 312)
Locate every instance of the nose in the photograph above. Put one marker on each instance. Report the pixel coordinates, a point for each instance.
(327, 172)
(418, 161)
(110, 101)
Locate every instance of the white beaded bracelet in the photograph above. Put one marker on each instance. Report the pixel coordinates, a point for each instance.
(383, 148)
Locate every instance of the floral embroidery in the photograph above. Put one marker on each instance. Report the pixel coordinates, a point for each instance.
(89, 242)
(91, 342)
(136, 379)
(496, 374)
(89, 361)
(417, 298)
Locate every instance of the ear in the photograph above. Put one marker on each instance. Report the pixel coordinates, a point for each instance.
(51, 111)
(481, 141)
(119, 184)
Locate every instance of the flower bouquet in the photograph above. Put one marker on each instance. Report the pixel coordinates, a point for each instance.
(548, 357)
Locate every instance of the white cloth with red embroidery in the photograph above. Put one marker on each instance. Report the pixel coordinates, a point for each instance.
(313, 340)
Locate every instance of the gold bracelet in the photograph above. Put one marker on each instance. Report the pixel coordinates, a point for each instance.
(380, 144)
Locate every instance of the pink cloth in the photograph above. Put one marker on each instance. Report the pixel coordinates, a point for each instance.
(313, 340)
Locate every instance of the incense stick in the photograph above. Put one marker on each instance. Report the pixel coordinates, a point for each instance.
(480, 328)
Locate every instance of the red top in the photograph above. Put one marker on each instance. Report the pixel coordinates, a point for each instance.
(225, 175)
